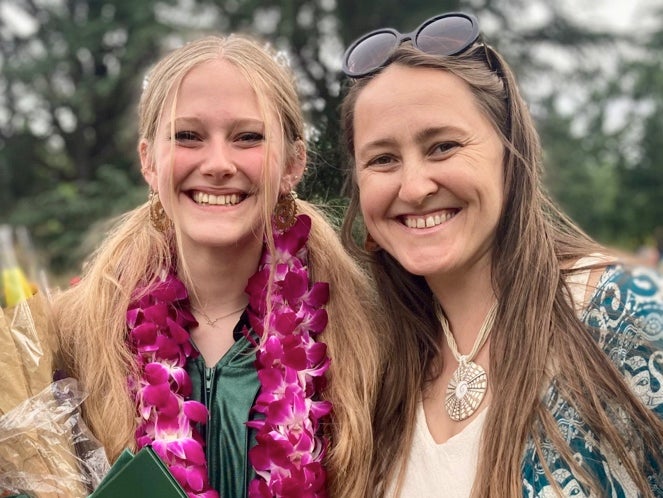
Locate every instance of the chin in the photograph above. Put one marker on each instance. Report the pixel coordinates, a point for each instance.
(421, 265)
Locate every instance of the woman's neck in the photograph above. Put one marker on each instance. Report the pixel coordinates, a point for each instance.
(217, 278)
(466, 300)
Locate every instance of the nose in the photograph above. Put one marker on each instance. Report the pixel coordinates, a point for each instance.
(416, 182)
(218, 161)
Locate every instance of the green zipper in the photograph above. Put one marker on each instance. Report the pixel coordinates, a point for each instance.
(209, 374)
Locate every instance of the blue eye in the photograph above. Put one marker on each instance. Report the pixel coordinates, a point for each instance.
(185, 135)
(250, 137)
(445, 147)
(382, 160)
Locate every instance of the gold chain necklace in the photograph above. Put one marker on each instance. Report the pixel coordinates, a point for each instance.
(211, 322)
(468, 384)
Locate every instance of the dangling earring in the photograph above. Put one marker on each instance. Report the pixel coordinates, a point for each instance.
(370, 245)
(158, 216)
(285, 212)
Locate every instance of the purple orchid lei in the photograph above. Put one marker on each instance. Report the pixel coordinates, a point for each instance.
(291, 366)
(158, 323)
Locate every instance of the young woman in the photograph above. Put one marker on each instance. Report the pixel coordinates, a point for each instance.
(523, 359)
(215, 323)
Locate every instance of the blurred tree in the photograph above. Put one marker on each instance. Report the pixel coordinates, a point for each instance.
(69, 78)
(69, 83)
(580, 170)
(640, 200)
(604, 152)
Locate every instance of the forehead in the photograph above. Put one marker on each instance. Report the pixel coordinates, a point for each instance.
(215, 87)
(401, 96)
(416, 85)
(216, 77)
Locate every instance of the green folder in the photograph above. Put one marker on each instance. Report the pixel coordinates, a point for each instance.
(141, 476)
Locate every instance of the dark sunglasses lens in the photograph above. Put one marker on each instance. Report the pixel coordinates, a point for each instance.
(447, 36)
(370, 53)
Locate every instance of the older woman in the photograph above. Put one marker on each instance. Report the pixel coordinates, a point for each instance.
(524, 360)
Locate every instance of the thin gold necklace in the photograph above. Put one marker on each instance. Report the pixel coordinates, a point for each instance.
(211, 322)
(468, 384)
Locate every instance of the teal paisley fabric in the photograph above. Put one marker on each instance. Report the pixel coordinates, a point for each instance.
(625, 316)
(228, 389)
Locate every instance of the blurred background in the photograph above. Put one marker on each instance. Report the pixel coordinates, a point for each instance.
(71, 73)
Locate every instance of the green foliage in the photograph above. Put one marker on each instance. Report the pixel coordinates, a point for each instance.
(618, 159)
(579, 174)
(67, 145)
(60, 217)
(641, 171)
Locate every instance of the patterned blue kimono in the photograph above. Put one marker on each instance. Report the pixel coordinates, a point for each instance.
(626, 317)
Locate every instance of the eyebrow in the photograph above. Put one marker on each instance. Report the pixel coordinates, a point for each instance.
(426, 134)
(421, 137)
(186, 120)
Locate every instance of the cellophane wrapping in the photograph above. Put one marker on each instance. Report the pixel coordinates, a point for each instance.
(46, 450)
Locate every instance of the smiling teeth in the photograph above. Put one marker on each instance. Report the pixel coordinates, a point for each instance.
(428, 221)
(217, 200)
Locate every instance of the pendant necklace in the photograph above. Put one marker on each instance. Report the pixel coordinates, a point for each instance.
(469, 382)
(211, 322)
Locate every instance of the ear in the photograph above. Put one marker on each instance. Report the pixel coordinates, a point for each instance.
(147, 166)
(295, 168)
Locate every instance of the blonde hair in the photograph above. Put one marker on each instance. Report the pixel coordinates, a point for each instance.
(534, 240)
(91, 316)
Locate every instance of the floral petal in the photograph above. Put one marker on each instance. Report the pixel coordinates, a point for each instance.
(196, 411)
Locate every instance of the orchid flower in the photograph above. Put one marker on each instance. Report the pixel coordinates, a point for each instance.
(291, 369)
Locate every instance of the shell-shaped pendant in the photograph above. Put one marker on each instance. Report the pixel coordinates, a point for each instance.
(465, 391)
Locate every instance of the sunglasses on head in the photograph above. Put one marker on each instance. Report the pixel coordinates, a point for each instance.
(446, 34)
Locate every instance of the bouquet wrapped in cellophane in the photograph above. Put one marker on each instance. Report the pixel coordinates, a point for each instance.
(45, 448)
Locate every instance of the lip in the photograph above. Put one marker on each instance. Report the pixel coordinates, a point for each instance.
(431, 219)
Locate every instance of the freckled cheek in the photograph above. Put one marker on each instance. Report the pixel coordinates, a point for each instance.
(171, 171)
(175, 158)
(364, 193)
(363, 197)
(252, 162)
(364, 207)
(372, 203)
(256, 158)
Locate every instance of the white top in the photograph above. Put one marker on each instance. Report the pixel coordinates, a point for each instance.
(578, 281)
(447, 470)
(441, 470)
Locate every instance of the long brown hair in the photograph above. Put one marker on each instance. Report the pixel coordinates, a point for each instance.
(535, 321)
(91, 316)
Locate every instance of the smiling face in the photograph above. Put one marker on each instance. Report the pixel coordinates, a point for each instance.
(209, 172)
(429, 171)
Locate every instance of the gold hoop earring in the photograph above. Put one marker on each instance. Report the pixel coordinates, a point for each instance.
(285, 212)
(158, 216)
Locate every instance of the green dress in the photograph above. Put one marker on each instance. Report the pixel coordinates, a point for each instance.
(228, 390)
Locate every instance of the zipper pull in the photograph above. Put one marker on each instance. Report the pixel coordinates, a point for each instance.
(209, 373)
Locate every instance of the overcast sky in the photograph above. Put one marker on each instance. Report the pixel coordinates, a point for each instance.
(620, 14)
